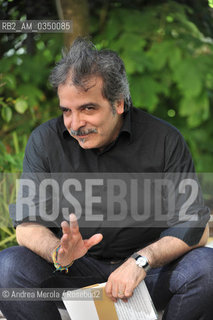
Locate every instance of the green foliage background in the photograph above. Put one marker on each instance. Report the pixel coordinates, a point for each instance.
(168, 53)
(170, 68)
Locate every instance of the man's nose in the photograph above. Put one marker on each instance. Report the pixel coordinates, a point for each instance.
(77, 122)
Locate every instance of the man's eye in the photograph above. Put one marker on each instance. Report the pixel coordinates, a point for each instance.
(64, 110)
(89, 108)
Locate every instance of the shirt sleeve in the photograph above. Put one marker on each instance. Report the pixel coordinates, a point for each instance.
(29, 206)
(35, 159)
(190, 215)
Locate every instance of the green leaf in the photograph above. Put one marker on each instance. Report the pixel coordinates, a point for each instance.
(145, 89)
(188, 77)
(134, 62)
(2, 103)
(134, 40)
(21, 105)
(34, 95)
(196, 109)
(143, 21)
(10, 81)
(6, 64)
(16, 142)
(159, 53)
(8, 239)
(113, 27)
(174, 57)
(6, 114)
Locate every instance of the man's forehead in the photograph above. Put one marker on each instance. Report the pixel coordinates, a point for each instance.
(87, 84)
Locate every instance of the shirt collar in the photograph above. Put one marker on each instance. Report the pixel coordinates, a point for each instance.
(126, 127)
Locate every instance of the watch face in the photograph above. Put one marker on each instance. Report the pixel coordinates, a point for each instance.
(142, 262)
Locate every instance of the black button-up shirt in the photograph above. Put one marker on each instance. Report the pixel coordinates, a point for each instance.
(145, 144)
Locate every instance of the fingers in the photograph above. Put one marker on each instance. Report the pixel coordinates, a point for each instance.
(121, 283)
(68, 231)
(108, 290)
(74, 228)
(65, 241)
(118, 292)
(65, 227)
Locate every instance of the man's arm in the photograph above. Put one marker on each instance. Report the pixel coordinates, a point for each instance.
(37, 238)
(122, 282)
(42, 241)
(169, 248)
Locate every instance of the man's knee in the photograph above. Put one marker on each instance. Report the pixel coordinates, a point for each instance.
(195, 269)
(201, 261)
(202, 264)
(12, 262)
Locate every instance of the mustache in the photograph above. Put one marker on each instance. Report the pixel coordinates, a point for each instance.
(81, 132)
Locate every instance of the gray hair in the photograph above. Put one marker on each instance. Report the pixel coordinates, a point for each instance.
(83, 60)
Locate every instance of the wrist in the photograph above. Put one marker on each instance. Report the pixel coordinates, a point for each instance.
(56, 263)
(53, 249)
(141, 261)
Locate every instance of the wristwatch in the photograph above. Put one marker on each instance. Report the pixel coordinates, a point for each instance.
(141, 261)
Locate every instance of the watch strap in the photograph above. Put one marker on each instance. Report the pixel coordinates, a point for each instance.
(136, 256)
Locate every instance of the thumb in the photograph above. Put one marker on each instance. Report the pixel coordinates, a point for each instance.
(92, 241)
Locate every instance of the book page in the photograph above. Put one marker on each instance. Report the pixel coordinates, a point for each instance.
(138, 307)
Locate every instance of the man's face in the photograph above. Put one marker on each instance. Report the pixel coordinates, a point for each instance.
(88, 116)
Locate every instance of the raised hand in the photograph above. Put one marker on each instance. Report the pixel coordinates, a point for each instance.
(72, 245)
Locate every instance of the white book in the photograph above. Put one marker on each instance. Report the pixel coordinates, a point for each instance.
(91, 303)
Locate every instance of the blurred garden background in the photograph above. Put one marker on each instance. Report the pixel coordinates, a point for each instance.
(167, 47)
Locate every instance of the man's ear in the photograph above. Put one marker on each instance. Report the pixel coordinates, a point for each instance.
(120, 106)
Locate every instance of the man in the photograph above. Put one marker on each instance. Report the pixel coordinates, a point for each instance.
(101, 132)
